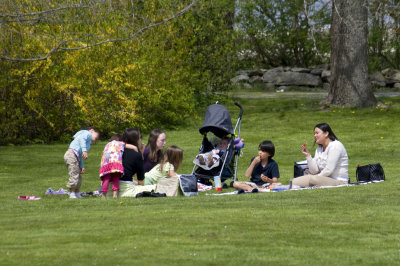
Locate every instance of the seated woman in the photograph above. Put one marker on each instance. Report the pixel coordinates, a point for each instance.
(133, 165)
(153, 152)
(263, 170)
(329, 167)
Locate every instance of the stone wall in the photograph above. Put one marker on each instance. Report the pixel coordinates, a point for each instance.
(316, 77)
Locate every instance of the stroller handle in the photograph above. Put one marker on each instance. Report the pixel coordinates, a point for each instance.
(241, 109)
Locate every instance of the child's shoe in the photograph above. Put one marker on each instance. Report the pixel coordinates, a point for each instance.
(254, 190)
(241, 191)
(49, 191)
(72, 195)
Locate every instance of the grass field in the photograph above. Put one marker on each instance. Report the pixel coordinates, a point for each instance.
(357, 225)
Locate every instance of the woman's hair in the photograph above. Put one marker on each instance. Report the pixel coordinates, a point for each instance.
(173, 155)
(154, 154)
(267, 146)
(326, 128)
(132, 136)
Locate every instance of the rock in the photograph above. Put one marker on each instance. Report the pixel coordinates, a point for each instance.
(378, 83)
(395, 77)
(255, 79)
(269, 86)
(247, 86)
(325, 75)
(300, 70)
(243, 72)
(277, 69)
(387, 72)
(326, 86)
(396, 85)
(240, 78)
(317, 70)
(292, 78)
(377, 76)
(255, 73)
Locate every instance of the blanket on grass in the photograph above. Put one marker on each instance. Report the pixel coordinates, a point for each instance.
(278, 188)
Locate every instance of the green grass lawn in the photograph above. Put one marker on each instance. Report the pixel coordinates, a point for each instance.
(357, 225)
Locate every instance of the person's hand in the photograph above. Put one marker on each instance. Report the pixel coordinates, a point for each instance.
(257, 159)
(266, 179)
(141, 147)
(304, 150)
(84, 155)
(82, 170)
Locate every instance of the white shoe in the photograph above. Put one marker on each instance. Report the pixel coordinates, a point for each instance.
(72, 195)
(78, 195)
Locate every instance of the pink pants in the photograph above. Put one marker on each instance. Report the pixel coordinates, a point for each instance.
(106, 181)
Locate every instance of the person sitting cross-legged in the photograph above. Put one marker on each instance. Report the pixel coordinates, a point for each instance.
(263, 170)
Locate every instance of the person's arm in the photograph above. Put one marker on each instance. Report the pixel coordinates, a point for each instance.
(331, 161)
(132, 147)
(273, 171)
(140, 170)
(171, 170)
(311, 162)
(250, 169)
(84, 142)
(172, 173)
(81, 163)
(268, 180)
(312, 165)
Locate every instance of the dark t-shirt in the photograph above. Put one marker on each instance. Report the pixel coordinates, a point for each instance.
(133, 164)
(270, 170)
(147, 164)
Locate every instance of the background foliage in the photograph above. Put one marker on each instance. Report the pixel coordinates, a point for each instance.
(154, 80)
(144, 76)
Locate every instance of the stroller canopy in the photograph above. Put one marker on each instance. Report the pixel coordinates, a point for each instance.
(217, 120)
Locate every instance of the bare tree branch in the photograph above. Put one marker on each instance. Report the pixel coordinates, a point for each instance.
(63, 45)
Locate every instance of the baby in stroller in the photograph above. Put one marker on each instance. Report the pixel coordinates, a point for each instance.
(210, 159)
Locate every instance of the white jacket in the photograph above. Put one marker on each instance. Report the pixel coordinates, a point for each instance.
(333, 162)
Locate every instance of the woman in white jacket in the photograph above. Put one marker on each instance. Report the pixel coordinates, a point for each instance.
(329, 167)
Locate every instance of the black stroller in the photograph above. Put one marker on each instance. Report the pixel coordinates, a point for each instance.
(217, 122)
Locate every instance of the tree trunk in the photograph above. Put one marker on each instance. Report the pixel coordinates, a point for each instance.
(349, 55)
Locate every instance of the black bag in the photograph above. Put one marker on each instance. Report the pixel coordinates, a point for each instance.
(188, 184)
(370, 172)
(146, 194)
(299, 168)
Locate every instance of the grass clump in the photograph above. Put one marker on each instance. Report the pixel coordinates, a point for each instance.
(356, 225)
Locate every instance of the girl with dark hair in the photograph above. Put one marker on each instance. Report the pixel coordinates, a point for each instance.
(153, 153)
(131, 158)
(132, 162)
(329, 167)
(262, 171)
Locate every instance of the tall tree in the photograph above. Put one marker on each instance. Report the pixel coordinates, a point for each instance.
(349, 55)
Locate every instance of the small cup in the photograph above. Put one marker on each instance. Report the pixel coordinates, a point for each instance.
(217, 183)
